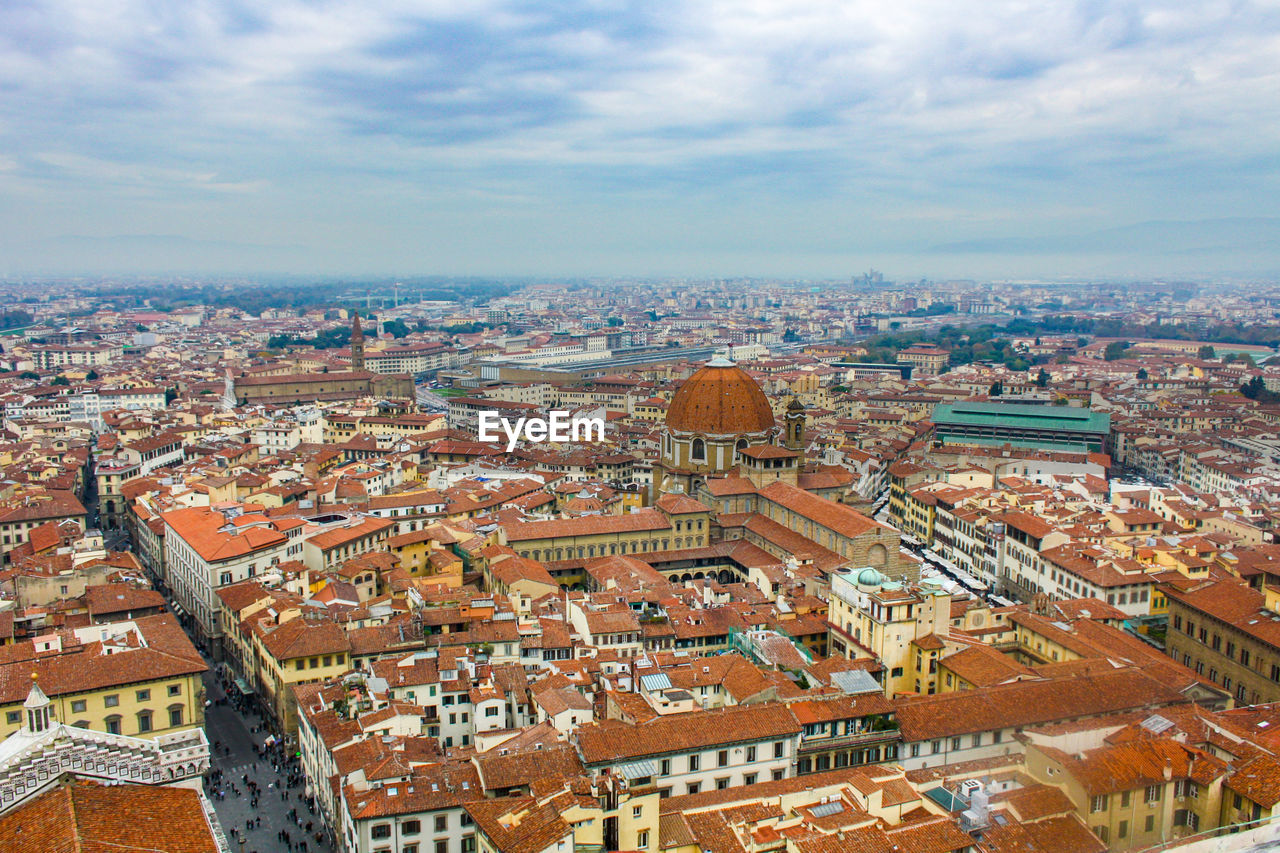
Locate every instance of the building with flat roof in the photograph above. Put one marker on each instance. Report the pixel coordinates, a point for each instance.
(1042, 427)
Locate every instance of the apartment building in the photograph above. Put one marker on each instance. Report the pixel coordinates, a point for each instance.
(950, 728)
(870, 616)
(140, 678)
(31, 508)
(205, 549)
(1229, 633)
(698, 751)
(1137, 794)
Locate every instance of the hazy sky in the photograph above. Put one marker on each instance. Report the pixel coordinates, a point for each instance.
(806, 138)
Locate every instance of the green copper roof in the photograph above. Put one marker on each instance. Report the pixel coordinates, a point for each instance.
(1022, 416)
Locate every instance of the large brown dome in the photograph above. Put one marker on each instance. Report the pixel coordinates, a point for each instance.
(720, 399)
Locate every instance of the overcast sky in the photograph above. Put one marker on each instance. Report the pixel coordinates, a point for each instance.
(806, 138)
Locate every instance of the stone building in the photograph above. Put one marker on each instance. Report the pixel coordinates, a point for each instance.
(716, 413)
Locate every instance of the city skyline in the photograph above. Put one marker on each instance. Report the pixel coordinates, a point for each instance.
(1066, 139)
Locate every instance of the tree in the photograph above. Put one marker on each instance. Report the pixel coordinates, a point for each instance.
(1042, 378)
(60, 380)
(15, 319)
(91, 376)
(996, 389)
(1115, 350)
(170, 394)
(1142, 373)
(1254, 389)
(1207, 352)
(396, 328)
(614, 321)
(28, 374)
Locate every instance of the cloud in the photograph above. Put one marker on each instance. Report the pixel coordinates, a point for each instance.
(1021, 121)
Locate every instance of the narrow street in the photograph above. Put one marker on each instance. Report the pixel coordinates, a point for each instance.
(235, 748)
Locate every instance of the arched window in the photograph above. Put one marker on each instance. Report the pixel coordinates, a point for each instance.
(144, 721)
(175, 715)
(699, 452)
(877, 555)
(113, 724)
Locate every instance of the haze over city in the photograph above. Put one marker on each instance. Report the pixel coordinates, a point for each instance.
(811, 140)
(597, 427)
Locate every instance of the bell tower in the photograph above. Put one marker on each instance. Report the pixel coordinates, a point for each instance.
(357, 344)
(795, 425)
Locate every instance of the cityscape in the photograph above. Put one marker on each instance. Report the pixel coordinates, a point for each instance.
(850, 565)
(607, 427)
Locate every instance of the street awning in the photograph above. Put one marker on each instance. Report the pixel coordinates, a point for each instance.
(243, 687)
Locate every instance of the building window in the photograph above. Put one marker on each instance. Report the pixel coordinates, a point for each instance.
(78, 706)
(692, 788)
(722, 758)
(175, 689)
(144, 695)
(642, 839)
(380, 830)
(1098, 804)
(13, 717)
(111, 701)
(175, 715)
(778, 749)
(693, 766)
(1153, 793)
(411, 827)
(113, 724)
(144, 721)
